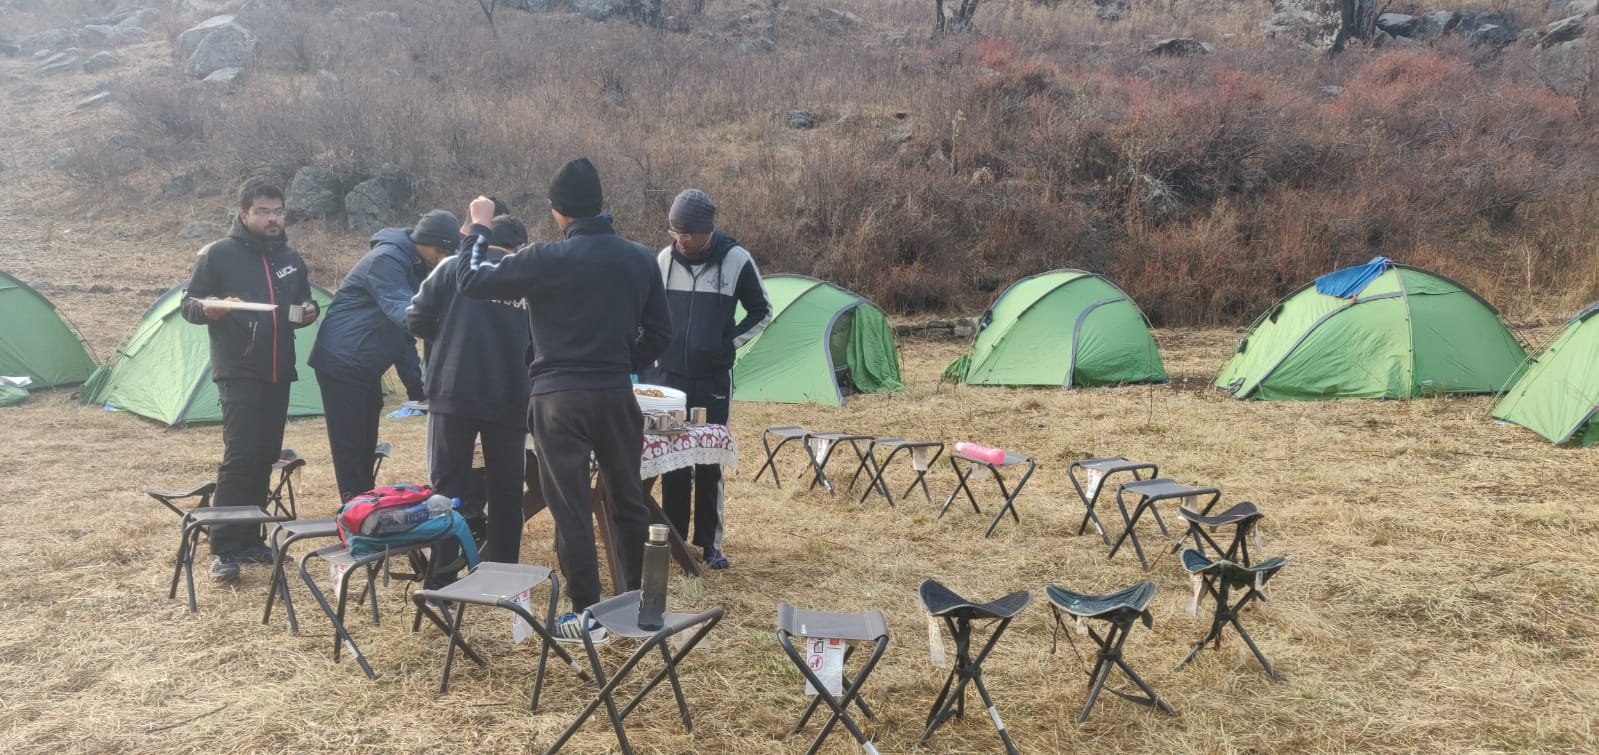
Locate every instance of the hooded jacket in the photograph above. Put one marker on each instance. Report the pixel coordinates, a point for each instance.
(249, 345)
(594, 299)
(704, 296)
(364, 331)
(476, 347)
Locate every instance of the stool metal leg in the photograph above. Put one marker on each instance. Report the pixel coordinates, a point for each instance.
(771, 460)
(967, 670)
(921, 474)
(839, 705)
(1010, 498)
(960, 485)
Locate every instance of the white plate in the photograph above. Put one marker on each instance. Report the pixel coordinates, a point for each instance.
(673, 398)
(251, 306)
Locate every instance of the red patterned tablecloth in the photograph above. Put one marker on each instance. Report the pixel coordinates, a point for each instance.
(706, 444)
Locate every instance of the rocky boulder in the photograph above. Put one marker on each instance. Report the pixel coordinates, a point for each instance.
(1178, 47)
(377, 201)
(227, 79)
(1561, 31)
(1313, 22)
(314, 193)
(1434, 24)
(190, 39)
(215, 45)
(1397, 24)
(100, 61)
(1493, 35)
(799, 119)
(48, 39)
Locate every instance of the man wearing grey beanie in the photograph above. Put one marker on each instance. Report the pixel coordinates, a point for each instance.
(707, 276)
(364, 332)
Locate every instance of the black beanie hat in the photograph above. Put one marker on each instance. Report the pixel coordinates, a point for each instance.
(692, 212)
(575, 190)
(437, 228)
(508, 233)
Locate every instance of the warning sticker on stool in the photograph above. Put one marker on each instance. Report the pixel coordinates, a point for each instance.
(825, 658)
(520, 629)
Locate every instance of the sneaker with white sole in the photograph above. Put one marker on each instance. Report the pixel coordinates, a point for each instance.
(225, 568)
(569, 630)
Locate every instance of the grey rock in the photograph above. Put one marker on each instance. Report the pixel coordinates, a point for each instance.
(111, 20)
(842, 16)
(45, 40)
(373, 203)
(205, 8)
(196, 231)
(314, 193)
(1381, 39)
(1469, 21)
(1397, 24)
(1564, 30)
(190, 39)
(1312, 22)
(95, 34)
(1434, 24)
(228, 46)
(1492, 34)
(1582, 7)
(1178, 47)
(177, 186)
(64, 159)
(100, 61)
(899, 137)
(1331, 92)
(127, 35)
(596, 10)
(49, 70)
(227, 79)
(93, 100)
(10, 49)
(383, 17)
(799, 119)
(141, 18)
(42, 54)
(1112, 10)
(530, 6)
(1527, 38)
(963, 330)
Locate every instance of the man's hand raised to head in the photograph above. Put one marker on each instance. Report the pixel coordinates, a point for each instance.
(482, 211)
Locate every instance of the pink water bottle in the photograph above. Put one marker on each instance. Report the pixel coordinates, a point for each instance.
(993, 456)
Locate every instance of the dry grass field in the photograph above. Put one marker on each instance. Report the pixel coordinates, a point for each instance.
(1441, 595)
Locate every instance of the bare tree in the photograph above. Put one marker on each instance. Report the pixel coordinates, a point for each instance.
(488, 7)
(958, 18)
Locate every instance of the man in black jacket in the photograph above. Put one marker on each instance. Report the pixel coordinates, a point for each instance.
(707, 275)
(252, 356)
(598, 313)
(365, 333)
(477, 388)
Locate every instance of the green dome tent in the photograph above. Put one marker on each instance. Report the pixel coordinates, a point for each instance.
(1557, 392)
(823, 342)
(1063, 327)
(1379, 330)
(164, 372)
(36, 342)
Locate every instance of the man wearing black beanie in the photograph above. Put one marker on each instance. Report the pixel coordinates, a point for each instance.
(364, 332)
(598, 313)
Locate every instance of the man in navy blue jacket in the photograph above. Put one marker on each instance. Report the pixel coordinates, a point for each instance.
(598, 312)
(477, 387)
(707, 276)
(364, 333)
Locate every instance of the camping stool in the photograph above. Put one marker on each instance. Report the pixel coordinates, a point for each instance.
(169, 498)
(922, 453)
(1095, 474)
(1243, 517)
(1149, 493)
(867, 627)
(197, 520)
(1221, 578)
(496, 584)
(282, 536)
(1010, 495)
(380, 452)
(342, 566)
(1119, 609)
(958, 615)
(282, 496)
(784, 434)
(619, 616)
(820, 447)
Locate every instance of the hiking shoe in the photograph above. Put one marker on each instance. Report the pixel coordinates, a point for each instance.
(715, 559)
(569, 630)
(255, 554)
(225, 568)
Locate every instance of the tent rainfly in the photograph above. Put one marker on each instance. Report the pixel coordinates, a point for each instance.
(164, 372)
(1065, 328)
(823, 343)
(36, 342)
(1556, 394)
(1378, 330)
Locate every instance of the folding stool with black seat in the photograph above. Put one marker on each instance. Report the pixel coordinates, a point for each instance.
(500, 585)
(200, 520)
(279, 540)
(1243, 517)
(1119, 609)
(170, 498)
(783, 434)
(972, 463)
(923, 454)
(958, 614)
(820, 447)
(1148, 493)
(288, 464)
(868, 627)
(1095, 474)
(343, 566)
(619, 616)
(1222, 580)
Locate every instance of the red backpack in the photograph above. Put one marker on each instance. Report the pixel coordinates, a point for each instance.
(356, 510)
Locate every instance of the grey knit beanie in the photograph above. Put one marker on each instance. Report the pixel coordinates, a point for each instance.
(692, 212)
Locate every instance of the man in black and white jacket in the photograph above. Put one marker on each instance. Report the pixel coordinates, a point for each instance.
(707, 276)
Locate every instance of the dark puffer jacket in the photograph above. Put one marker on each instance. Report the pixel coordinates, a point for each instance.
(364, 331)
(249, 345)
(704, 296)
